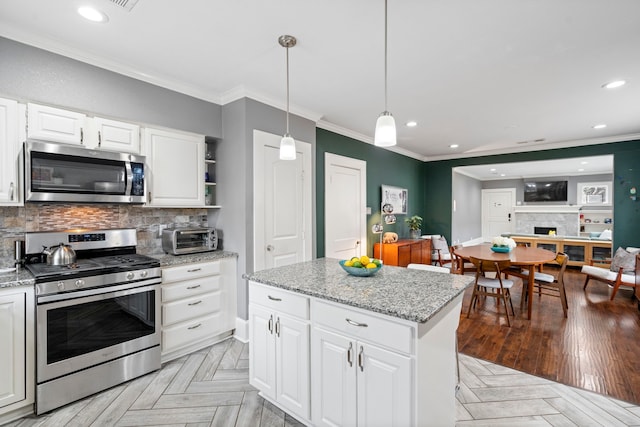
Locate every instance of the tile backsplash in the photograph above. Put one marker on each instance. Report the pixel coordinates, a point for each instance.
(15, 221)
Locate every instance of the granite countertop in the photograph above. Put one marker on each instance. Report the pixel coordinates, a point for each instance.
(414, 295)
(10, 278)
(167, 260)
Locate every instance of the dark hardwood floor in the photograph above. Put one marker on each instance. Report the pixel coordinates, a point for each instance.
(596, 348)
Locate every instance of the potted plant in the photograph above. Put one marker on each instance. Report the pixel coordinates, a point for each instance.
(414, 223)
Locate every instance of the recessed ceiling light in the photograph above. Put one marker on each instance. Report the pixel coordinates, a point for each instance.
(581, 170)
(502, 174)
(600, 126)
(492, 170)
(411, 124)
(454, 146)
(584, 162)
(92, 14)
(614, 84)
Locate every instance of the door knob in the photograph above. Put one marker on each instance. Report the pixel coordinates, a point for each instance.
(270, 248)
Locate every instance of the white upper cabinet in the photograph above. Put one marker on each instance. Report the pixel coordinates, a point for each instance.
(55, 124)
(176, 163)
(9, 153)
(113, 135)
(70, 127)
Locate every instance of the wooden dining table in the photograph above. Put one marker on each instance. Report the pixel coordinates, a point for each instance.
(521, 256)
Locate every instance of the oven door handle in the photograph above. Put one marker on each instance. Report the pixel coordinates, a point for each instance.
(78, 297)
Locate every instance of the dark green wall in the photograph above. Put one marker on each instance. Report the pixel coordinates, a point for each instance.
(626, 215)
(383, 167)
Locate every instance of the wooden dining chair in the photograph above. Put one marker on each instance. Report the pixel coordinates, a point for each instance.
(492, 287)
(547, 284)
(458, 264)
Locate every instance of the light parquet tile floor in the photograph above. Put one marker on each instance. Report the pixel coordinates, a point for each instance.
(210, 388)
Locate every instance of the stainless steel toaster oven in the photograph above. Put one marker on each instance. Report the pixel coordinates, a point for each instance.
(188, 240)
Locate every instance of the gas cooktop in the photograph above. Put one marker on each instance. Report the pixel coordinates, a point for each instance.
(93, 266)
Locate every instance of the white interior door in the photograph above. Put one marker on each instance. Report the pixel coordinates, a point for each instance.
(345, 199)
(497, 212)
(282, 203)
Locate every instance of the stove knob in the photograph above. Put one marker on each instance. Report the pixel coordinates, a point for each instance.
(130, 275)
(79, 283)
(61, 286)
(143, 273)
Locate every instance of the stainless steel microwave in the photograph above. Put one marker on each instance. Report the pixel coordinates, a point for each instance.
(64, 173)
(186, 240)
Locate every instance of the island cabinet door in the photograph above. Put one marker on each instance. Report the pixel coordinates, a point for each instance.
(333, 379)
(262, 351)
(384, 387)
(292, 364)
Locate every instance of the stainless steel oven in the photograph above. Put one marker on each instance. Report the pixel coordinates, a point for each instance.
(97, 320)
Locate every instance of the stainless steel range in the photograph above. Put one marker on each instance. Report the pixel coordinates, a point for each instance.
(97, 318)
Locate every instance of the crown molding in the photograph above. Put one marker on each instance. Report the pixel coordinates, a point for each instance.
(323, 124)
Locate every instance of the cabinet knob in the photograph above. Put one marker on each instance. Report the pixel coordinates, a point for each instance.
(270, 248)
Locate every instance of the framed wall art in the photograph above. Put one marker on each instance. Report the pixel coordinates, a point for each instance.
(394, 200)
(594, 193)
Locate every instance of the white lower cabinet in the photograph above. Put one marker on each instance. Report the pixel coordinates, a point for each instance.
(279, 350)
(198, 306)
(16, 352)
(356, 367)
(356, 382)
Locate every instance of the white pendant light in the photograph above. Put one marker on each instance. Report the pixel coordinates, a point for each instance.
(385, 135)
(287, 144)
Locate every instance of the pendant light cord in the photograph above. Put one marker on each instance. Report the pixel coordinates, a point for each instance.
(288, 90)
(385, 57)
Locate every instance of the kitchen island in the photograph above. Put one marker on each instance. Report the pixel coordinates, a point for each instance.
(334, 349)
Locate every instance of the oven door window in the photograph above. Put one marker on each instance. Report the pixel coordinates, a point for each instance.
(79, 329)
(71, 174)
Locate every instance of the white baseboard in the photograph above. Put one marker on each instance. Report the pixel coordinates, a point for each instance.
(242, 330)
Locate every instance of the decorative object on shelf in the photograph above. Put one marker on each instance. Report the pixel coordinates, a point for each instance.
(502, 244)
(552, 233)
(414, 223)
(385, 134)
(287, 144)
(394, 200)
(356, 267)
(377, 228)
(389, 219)
(632, 194)
(390, 237)
(594, 193)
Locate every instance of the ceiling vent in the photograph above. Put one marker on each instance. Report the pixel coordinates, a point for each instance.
(124, 4)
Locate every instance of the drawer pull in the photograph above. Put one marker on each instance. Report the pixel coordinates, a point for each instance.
(193, 270)
(195, 303)
(351, 322)
(195, 326)
(361, 359)
(350, 355)
(193, 287)
(274, 298)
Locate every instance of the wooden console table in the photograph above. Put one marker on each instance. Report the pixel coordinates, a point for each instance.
(404, 252)
(580, 251)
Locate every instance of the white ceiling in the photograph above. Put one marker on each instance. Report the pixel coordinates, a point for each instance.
(493, 76)
(577, 166)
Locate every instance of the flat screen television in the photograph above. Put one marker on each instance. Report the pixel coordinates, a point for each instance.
(545, 191)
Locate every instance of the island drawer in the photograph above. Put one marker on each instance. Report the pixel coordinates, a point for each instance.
(365, 326)
(280, 300)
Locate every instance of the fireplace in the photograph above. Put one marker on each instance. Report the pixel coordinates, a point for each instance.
(544, 230)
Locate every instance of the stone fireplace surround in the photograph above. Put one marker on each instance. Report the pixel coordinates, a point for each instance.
(566, 219)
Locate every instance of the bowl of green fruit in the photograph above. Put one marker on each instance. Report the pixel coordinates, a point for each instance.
(362, 267)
